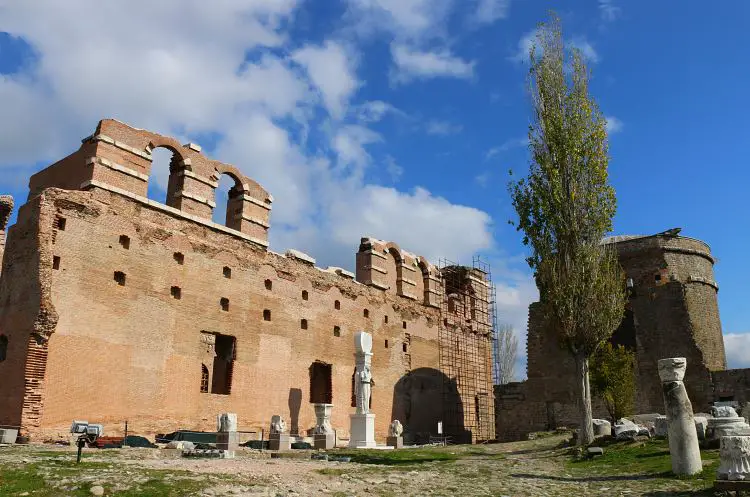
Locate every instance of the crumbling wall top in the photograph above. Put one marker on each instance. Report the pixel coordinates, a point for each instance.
(6, 208)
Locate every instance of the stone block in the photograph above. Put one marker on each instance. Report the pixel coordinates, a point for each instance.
(592, 452)
(280, 441)
(701, 425)
(602, 428)
(324, 441)
(395, 442)
(228, 441)
(8, 435)
(661, 427)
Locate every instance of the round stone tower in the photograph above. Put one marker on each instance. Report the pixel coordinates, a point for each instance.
(672, 312)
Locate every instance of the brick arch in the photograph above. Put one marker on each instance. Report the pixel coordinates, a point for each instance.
(165, 142)
(392, 263)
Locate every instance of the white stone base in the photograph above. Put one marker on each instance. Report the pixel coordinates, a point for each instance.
(362, 433)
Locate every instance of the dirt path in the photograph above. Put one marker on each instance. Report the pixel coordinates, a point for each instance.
(531, 468)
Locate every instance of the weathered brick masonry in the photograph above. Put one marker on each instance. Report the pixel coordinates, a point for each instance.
(114, 307)
(672, 312)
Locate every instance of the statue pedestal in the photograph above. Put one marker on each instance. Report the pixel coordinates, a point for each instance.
(327, 441)
(395, 442)
(279, 441)
(228, 442)
(362, 433)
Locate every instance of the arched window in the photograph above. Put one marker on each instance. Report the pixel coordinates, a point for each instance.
(3, 347)
(303, 324)
(304, 295)
(366, 313)
(269, 285)
(164, 178)
(229, 198)
(337, 305)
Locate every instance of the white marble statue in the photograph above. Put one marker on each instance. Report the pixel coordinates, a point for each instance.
(396, 429)
(735, 458)
(363, 377)
(277, 424)
(362, 389)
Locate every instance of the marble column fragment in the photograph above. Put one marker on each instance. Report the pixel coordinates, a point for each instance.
(683, 438)
(735, 458)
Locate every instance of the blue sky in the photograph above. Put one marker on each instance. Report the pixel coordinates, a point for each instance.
(398, 119)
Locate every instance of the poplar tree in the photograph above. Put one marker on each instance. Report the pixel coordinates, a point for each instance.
(565, 208)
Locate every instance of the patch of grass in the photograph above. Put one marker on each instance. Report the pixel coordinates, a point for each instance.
(399, 457)
(650, 457)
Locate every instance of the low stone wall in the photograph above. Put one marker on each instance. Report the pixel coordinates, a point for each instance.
(732, 384)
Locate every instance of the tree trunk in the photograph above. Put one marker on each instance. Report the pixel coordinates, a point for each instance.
(586, 430)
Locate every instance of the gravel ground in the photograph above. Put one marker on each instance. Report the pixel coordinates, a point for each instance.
(530, 468)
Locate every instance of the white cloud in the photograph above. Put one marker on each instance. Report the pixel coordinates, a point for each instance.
(482, 179)
(586, 48)
(614, 125)
(332, 70)
(393, 169)
(349, 143)
(426, 224)
(505, 146)
(489, 11)
(608, 10)
(525, 44)
(438, 127)
(229, 70)
(416, 64)
(737, 347)
(375, 110)
(403, 19)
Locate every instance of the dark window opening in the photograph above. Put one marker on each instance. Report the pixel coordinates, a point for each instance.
(176, 292)
(321, 386)
(336, 331)
(386, 344)
(227, 272)
(224, 304)
(303, 324)
(729, 398)
(304, 295)
(120, 278)
(385, 319)
(657, 277)
(266, 315)
(179, 257)
(337, 305)
(60, 223)
(625, 333)
(366, 313)
(445, 321)
(226, 353)
(204, 379)
(404, 347)
(55, 262)
(3, 347)
(269, 285)
(125, 242)
(404, 324)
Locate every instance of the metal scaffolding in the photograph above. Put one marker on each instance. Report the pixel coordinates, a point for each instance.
(466, 334)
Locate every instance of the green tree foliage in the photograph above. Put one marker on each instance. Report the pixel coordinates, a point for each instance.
(565, 207)
(613, 379)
